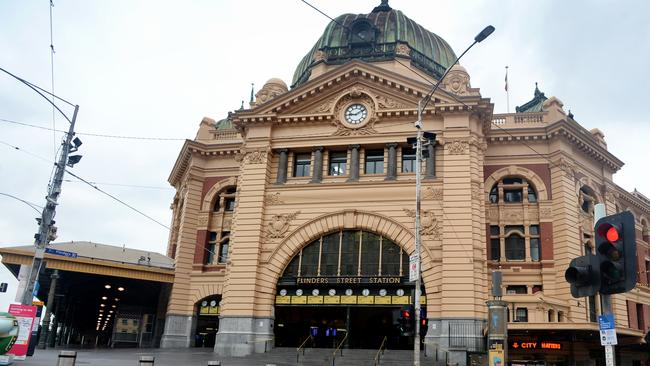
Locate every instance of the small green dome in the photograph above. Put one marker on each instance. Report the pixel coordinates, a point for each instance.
(224, 124)
(378, 36)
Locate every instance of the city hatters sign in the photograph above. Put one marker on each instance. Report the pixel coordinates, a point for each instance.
(378, 280)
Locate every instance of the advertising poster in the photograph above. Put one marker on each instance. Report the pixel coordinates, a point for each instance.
(25, 315)
(496, 357)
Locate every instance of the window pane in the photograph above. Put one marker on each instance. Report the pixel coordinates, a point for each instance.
(209, 256)
(534, 249)
(521, 315)
(292, 268)
(213, 236)
(310, 259)
(223, 252)
(330, 256)
(350, 253)
(494, 230)
(408, 160)
(230, 204)
(302, 165)
(534, 229)
(374, 162)
(389, 258)
(511, 228)
(337, 163)
(512, 195)
(495, 249)
(370, 255)
(494, 195)
(515, 248)
(512, 181)
(532, 197)
(516, 290)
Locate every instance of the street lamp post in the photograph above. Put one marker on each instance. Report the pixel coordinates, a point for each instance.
(422, 104)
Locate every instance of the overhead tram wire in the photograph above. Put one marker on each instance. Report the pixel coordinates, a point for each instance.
(90, 184)
(34, 206)
(94, 134)
(52, 74)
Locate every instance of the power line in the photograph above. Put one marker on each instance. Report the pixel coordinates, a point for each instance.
(122, 185)
(118, 200)
(34, 206)
(52, 73)
(93, 134)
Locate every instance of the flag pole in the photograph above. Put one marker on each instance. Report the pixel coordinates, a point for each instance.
(507, 93)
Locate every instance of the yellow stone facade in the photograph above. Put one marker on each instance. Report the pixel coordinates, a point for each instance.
(272, 214)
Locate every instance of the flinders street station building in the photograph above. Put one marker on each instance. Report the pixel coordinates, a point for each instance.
(295, 218)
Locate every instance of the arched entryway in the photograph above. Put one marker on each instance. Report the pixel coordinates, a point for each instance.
(207, 321)
(348, 282)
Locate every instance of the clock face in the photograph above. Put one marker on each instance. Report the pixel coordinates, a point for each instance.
(348, 292)
(315, 292)
(356, 113)
(298, 292)
(400, 292)
(283, 292)
(365, 292)
(382, 292)
(332, 292)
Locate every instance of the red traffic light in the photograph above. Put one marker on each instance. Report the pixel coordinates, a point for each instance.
(406, 314)
(609, 232)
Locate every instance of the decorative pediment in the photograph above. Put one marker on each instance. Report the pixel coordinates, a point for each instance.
(316, 101)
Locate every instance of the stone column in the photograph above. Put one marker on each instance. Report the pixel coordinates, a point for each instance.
(282, 166)
(431, 160)
(354, 163)
(391, 172)
(317, 177)
(42, 344)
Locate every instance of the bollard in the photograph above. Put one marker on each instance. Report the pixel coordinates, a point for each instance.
(67, 358)
(146, 361)
(214, 363)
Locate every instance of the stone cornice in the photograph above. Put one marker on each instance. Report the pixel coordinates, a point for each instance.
(571, 131)
(191, 148)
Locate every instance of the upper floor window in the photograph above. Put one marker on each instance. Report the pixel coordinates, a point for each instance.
(515, 243)
(513, 190)
(587, 200)
(301, 165)
(374, 162)
(533, 232)
(225, 199)
(521, 315)
(516, 290)
(408, 160)
(337, 163)
(645, 235)
(217, 248)
(495, 243)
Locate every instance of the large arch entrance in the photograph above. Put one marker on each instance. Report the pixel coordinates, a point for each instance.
(348, 282)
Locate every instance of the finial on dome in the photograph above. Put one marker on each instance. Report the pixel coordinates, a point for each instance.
(382, 7)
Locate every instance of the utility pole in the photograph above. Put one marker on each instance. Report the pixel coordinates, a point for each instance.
(605, 300)
(47, 230)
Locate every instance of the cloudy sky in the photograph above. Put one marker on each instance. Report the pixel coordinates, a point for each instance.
(155, 68)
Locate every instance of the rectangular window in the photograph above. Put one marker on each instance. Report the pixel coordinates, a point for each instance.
(516, 290)
(350, 253)
(370, 255)
(211, 248)
(223, 251)
(495, 249)
(647, 271)
(515, 247)
(329, 261)
(374, 162)
(512, 195)
(390, 259)
(521, 315)
(535, 249)
(639, 317)
(337, 163)
(309, 265)
(593, 311)
(301, 165)
(408, 160)
(230, 204)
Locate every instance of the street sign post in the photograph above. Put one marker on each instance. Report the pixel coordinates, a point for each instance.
(607, 330)
(60, 252)
(413, 268)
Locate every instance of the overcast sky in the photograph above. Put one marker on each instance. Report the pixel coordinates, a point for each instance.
(155, 68)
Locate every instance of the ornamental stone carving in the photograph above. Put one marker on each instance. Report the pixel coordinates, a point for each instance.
(344, 131)
(270, 90)
(432, 193)
(202, 219)
(429, 224)
(325, 107)
(567, 167)
(388, 103)
(273, 199)
(545, 213)
(457, 81)
(402, 50)
(320, 56)
(252, 157)
(477, 192)
(457, 147)
(279, 225)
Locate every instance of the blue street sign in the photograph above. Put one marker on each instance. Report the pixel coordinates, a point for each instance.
(37, 286)
(606, 322)
(61, 253)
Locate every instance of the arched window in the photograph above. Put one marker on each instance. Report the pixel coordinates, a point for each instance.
(587, 200)
(644, 231)
(225, 200)
(515, 243)
(349, 253)
(513, 190)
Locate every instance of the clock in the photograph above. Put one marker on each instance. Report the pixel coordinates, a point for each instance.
(204, 303)
(365, 292)
(332, 292)
(382, 292)
(356, 113)
(298, 292)
(348, 292)
(315, 292)
(400, 292)
(213, 303)
(283, 292)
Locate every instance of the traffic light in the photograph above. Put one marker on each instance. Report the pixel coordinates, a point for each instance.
(616, 251)
(584, 276)
(406, 326)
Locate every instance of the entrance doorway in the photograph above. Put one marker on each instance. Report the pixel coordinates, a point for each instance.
(366, 326)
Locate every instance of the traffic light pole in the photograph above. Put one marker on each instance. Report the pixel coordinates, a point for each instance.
(418, 200)
(46, 221)
(605, 300)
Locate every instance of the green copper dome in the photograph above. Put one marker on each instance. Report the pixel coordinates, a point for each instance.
(378, 36)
